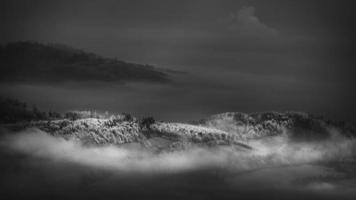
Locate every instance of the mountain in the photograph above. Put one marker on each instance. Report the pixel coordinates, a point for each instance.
(263, 124)
(119, 130)
(232, 129)
(35, 62)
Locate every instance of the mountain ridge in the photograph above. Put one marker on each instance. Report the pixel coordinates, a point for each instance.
(35, 62)
(226, 129)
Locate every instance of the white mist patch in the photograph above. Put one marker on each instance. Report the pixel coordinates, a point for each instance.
(282, 150)
(40, 144)
(269, 152)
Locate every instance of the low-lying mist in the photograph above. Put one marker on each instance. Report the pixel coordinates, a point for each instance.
(268, 152)
(44, 166)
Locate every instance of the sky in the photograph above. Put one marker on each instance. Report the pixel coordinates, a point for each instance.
(246, 56)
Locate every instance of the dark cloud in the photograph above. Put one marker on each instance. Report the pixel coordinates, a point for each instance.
(34, 62)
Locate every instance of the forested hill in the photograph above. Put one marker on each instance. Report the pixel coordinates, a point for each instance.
(35, 62)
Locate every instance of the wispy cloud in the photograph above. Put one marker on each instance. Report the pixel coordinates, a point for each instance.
(245, 22)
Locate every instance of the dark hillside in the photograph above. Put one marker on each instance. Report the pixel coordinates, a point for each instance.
(35, 62)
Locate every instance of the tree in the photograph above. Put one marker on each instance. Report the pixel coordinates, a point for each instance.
(127, 117)
(146, 122)
(38, 115)
(72, 116)
(53, 115)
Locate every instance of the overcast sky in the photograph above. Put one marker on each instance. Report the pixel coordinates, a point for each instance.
(239, 55)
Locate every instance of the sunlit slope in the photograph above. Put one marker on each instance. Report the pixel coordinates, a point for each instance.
(259, 125)
(116, 132)
(227, 129)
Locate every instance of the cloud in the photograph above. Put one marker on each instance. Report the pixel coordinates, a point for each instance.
(35, 62)
(321, 186)
(246, 23)
(269, 152)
